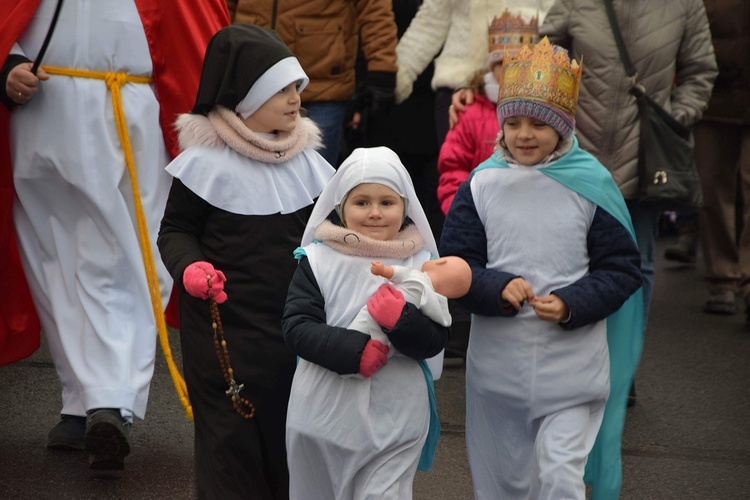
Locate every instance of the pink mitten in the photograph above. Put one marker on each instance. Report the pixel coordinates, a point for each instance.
(374, 356)
(196, 276)
(386, 305)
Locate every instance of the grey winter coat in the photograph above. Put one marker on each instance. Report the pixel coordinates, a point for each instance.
(670, 45)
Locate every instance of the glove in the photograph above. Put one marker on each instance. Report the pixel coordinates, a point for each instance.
(196, 276)
(374, 356)
(386, 305)
(379, 92)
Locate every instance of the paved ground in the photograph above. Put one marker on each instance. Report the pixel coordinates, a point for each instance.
(688, 437)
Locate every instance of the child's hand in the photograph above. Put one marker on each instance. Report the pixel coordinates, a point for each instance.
(386, 305)
(198, 276)
(516, 292)
(374, 356)
(550, 308)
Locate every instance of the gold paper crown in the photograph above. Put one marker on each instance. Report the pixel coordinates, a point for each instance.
(509, 33)
(543, 74)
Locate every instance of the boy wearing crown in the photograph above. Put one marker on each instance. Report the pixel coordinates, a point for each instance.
(555, 276)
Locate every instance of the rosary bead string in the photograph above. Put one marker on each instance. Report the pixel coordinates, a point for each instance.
(241, 405)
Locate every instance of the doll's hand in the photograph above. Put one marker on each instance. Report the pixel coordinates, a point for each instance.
(374, 356)
(379, 269)
(376, 268)
(550, 308)
(201, 280)
(386, 305)
(516, 292)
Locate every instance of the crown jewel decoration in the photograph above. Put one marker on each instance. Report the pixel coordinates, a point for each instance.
(511, 32)
(544, 73)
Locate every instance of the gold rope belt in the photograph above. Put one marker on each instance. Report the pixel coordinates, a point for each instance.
(115, 81)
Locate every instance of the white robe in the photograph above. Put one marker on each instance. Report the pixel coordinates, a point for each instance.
(74, 211)
(352, 437)
(534, 392)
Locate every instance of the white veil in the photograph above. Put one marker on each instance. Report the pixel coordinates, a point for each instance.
(370, 165)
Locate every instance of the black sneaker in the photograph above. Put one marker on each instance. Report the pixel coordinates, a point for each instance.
(107, 439)
(68, 433)
(684, 250)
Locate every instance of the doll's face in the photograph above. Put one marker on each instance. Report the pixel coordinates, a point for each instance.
(529, 140)
(279, 113)
(374, 210)
(450, 276)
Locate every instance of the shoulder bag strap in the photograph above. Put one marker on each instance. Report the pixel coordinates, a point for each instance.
(636, 88)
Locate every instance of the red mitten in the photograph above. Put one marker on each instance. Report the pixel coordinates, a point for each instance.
(374, 356)
(196, 276)
(386, 305)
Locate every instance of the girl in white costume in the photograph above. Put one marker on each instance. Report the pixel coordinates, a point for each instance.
(362, 436)
(549, 241)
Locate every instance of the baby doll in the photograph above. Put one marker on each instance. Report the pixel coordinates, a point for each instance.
(438, 280)
(450, 277)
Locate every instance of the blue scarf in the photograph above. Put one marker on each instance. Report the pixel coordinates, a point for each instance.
(581, 172)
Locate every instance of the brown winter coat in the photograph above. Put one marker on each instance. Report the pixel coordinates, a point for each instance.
(325, 35)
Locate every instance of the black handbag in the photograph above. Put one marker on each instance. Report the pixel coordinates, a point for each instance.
(667, 173)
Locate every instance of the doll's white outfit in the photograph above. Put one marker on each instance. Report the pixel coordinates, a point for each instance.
(418, 290)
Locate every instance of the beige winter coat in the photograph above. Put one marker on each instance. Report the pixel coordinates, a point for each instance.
(670, 45)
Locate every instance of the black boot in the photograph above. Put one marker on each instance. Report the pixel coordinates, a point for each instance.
(68, 434)
(686, 247)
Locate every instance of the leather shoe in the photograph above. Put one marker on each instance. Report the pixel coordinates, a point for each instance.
(68, 433)
(107, 439)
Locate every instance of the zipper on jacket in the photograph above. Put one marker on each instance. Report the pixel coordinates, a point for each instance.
(274, 14)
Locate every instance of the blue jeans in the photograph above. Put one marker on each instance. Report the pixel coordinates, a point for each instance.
(329, 116)
(646, 226)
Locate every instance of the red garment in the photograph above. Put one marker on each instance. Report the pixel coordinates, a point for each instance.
(467, 145)
(178, 33)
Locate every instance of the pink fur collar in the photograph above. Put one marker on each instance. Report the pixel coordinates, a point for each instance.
(222, 127)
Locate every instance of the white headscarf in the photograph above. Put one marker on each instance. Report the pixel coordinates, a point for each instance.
(371, 165)
(275, 78)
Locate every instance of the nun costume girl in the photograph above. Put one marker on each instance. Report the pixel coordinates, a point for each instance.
(239, 201)
(350, 436)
